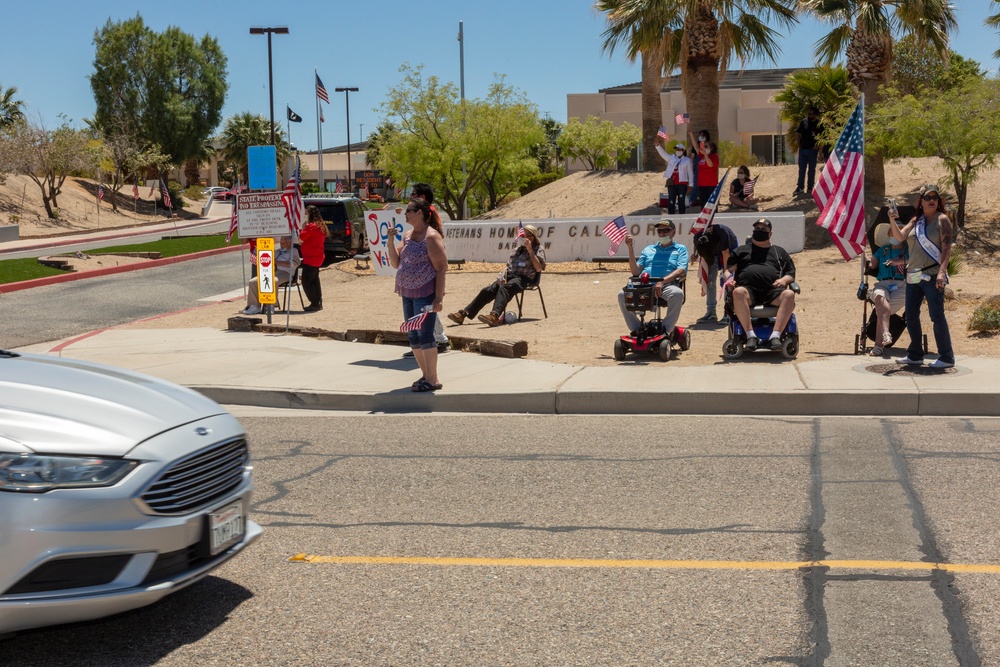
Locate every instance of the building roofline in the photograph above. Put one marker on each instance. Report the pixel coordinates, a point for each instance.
(749, 79)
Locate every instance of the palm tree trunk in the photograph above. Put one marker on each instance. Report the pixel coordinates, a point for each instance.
(700, 78)
(652, 112)
(869, 62)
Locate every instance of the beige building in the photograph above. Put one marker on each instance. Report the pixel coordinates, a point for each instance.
(746, 114)
(334, 166)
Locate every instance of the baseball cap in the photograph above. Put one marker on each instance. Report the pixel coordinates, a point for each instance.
(763, 221)
(666, 222)
(679, 146)
(930, 187)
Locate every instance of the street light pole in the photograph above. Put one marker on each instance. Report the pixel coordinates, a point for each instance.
(461, 79)
(283, 30)
(347, 99)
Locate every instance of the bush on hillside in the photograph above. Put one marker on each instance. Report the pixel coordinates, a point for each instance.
(986, 318)
(733, 155)
(538, 180)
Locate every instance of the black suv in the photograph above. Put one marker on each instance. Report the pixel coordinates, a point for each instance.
(345, 216)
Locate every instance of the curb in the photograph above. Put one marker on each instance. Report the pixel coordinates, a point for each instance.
(135, 231)
(81, 275)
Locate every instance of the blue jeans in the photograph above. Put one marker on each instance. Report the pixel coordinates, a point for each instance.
(422, 338)
(712, 288)
(807, 158)
(677, 198)
(915, 295)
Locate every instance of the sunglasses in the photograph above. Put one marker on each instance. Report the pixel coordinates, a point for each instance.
(411, 210)
(930, 197)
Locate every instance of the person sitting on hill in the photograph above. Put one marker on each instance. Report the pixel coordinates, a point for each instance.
(737, 191)
(523, 267)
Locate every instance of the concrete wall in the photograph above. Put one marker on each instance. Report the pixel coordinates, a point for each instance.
(10, 232)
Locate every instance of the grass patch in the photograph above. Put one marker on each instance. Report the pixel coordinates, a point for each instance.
(16, 270)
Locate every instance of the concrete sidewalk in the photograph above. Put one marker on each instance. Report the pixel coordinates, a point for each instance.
(291, 371)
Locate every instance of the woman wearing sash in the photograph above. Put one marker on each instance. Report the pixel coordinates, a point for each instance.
(928, 236)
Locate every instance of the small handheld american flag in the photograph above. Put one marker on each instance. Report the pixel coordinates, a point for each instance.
(681, 118)
(749, 186)
(520, 230)
(662, 133)
(616, 231)
(415, 322)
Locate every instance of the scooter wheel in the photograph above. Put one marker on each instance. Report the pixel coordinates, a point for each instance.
(732, 349)
(790, 347)
(619, 350)
(858, 346)
(685, 342)
(664, 350)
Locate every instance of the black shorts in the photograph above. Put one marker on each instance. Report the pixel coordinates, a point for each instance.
(764, 297)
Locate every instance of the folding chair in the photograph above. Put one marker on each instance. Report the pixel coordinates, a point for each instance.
(288, 286)
(533, 287)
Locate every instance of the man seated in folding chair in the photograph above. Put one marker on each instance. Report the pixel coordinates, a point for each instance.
(285, 254)
(523, 269)
(888, 265)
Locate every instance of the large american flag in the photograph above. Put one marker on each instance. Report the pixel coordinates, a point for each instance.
(234, 221)
(414, 323)
(321, 90)
(708, 211)
(166, 195)
(292, 199)
(616, 231)
(840, 189)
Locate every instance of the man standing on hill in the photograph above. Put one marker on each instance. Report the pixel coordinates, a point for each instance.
(808, 153)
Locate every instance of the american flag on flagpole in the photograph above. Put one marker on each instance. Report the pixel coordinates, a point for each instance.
(749, 186)
(415, 322)
(292, 199)
(166, 195)
(616, 231)
(708, 211)
(340, 186)
(840, 189)
(681, 118)
(234, 221)
(152, 190)
(321, 91)
(135, 189)
(100, 193)
(662, 133)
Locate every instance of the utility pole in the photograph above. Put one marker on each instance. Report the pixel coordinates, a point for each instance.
(270, 70)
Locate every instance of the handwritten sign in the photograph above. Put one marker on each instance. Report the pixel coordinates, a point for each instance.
(378, 226)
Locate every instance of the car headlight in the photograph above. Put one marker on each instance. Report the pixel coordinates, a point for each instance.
(37, 473)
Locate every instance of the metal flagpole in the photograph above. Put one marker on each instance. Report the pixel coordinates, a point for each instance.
(319, 136)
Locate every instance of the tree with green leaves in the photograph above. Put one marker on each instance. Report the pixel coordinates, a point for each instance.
(960, 128)
(915, 67)
(11, 108)
(598, 144)
(167, 88)
(124, 158)
(423, 138)
(243, 130)
(864, 30)
(823, 87)
(48, 157)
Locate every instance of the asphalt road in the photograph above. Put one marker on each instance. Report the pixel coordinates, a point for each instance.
(62, 310)
(725, 512)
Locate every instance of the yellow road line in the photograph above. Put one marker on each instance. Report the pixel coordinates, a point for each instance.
(648, 564)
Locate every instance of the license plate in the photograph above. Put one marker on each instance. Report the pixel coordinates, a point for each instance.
(226, 527)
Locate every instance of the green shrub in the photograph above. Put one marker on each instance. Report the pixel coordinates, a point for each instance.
(734, 155)
(956, 262)
(193, 192)
(538, 180)
(986, 317)
(176, 195)
(309, 188)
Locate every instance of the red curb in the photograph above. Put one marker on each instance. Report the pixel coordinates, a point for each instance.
(133, 231)
(51, 280)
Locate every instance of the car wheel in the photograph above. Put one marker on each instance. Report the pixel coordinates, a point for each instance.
(732, 349)
(619, 350)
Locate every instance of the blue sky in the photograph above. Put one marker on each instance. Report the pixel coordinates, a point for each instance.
(546, 48)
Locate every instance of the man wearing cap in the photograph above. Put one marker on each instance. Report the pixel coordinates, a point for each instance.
(666, 263)
(523, 267)
(714, 246)
(678, 177)
(889, 293)
(762, 274)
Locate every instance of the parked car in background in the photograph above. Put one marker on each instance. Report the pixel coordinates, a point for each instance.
(116, 489)
(218, 191)
(345, 216)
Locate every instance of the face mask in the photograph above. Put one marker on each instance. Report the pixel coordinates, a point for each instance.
(761, 235)
(702, 137)
(742, 177)
(665, 241)
(679, 153)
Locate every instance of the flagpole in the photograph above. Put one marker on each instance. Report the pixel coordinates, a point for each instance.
(319, 136)
(288, 123)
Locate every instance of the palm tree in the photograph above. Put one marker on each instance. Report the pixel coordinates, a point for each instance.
(994, 22)
(823, 87)
(863, 30)
(247, 129)
(642, 27)
(701, 37)
(11, 110)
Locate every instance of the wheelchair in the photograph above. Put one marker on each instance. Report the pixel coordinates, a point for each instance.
(762, 320)
(650, 336)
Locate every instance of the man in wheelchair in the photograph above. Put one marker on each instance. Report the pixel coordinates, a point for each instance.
(665, 262)
(763, 274)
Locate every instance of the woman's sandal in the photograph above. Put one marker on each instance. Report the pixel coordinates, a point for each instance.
(423, 385)
(414, 385)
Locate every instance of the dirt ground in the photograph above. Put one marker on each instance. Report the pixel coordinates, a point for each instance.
(583, 318)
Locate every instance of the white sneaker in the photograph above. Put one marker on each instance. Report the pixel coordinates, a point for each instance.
(251, 310)
(910, 362)
(938, 364)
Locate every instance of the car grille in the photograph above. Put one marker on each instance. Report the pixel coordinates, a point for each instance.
(199, 480)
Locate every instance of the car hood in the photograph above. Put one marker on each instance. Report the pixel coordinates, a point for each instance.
(54, 405)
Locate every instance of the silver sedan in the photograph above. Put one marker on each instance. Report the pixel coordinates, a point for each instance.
(116, 489)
